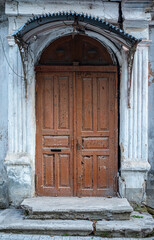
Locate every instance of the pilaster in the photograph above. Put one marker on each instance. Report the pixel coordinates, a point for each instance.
(134, 153)
(17, 161)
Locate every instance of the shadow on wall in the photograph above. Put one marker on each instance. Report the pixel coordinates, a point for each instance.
(150, 179)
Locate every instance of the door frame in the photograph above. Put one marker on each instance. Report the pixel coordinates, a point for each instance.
(107, 69)
(103, 69)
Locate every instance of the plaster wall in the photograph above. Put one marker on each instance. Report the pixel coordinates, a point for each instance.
(20, 159)
(150, 180)
(3, 107)
(105, 10)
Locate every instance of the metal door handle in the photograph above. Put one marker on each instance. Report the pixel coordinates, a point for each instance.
(78, 146)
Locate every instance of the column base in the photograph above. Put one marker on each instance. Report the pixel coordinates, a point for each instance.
(132, 182)
(19, 173)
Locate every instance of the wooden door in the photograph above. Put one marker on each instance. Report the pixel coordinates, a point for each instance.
(76, 138)
(96, 133)
(54, 136)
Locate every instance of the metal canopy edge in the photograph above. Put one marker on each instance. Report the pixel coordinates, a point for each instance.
(43, 19)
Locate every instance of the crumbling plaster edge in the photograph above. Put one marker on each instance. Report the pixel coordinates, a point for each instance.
(135, 166)
(13, 159)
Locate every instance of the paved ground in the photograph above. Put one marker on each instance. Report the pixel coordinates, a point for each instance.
(13, 221)
(42, 237)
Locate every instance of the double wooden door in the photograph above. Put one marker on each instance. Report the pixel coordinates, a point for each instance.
(76, 131)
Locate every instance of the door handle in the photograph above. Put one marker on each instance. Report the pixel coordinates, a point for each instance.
(78, 146)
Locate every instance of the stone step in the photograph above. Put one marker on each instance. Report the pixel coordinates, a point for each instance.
(139, 225)
(93, 208)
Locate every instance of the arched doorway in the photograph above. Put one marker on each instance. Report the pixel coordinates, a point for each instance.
(76, 116)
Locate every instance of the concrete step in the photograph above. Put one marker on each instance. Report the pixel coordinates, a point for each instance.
(139, 225)
(94, 208)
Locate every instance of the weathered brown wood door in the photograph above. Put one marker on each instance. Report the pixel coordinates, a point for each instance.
(76, 137)
(54, 149)
(96, 126)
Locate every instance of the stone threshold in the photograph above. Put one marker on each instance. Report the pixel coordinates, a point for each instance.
(85, 208)
(139, 225)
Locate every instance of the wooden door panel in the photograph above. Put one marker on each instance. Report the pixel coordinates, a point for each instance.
(55, 141)
(87, 105)
(63, 103)
(54, 149)
(48, 101)
(103, 104)
(49, 170)
(96, 130)
(102, 172)
(95, 143)
(64, 170)
(87, 168)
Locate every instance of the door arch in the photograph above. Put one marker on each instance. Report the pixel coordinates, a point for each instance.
(76, 113)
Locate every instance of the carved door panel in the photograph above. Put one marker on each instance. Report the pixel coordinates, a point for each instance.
(54, 150)
(96, 133)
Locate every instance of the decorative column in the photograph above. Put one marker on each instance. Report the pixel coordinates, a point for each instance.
(17, 161)
(134, 128)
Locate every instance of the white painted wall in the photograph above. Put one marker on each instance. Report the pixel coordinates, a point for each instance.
(20, 159)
